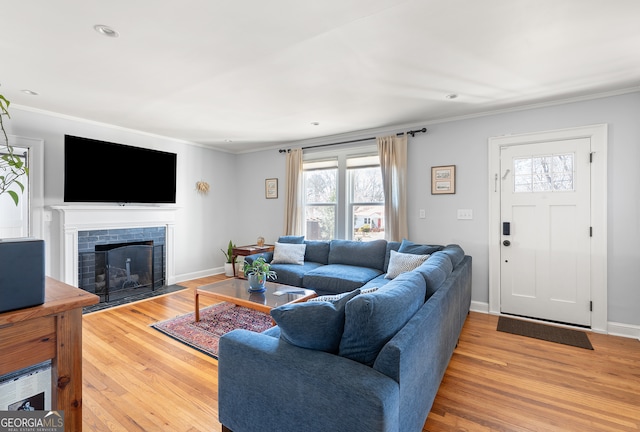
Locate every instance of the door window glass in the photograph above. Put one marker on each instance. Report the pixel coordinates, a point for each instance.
(551, 173)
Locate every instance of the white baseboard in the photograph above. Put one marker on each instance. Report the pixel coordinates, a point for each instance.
(479, 307)
(197, 275)
(613, 329)
(624, 330)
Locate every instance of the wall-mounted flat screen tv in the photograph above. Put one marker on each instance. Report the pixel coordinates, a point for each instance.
(100, 171)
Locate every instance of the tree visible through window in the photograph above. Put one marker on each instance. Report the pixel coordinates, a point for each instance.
(366, 203)
(344, 198)
(320, 182)
(553, 173)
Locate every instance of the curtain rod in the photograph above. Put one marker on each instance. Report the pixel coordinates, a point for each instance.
(412, 133)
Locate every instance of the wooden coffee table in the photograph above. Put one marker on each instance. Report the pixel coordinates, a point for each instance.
(237, 291)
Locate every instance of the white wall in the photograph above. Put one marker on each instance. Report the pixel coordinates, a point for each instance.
(257, 215)
(237, 209)
(464, 143)
(204, 222)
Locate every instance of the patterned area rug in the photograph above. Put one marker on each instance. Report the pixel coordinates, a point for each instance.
(215, 321)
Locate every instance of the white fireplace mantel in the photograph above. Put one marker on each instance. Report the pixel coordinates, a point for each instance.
(74, 218)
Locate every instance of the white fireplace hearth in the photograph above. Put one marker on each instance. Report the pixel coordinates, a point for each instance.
(69, 220)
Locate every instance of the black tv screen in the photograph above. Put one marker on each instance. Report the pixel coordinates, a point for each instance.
(100, 171)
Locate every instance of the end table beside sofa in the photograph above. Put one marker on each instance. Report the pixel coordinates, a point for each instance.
(379, 369)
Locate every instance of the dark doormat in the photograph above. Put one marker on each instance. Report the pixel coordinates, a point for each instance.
(549, 333)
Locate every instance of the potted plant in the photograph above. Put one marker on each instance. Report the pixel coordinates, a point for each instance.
(228, 265)
(12, 167)
(257, 272)
(22, 267)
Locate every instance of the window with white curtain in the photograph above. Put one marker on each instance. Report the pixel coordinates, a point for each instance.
(344, 197)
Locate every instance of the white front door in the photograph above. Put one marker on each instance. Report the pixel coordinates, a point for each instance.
(545, 233)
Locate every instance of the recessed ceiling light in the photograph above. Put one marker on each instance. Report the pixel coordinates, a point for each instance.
(451, 96)
(29, 92)
(106, 30)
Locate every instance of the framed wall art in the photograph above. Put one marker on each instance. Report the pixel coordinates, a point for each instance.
(443, 179)
(271, 188)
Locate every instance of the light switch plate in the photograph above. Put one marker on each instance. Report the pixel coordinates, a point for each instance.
(465, 214)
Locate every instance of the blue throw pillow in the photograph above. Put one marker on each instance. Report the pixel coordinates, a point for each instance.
(418, 249)
(371, 320)
(291, 239)
(316, 325)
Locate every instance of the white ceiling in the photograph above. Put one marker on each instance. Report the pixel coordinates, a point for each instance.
(260, 72)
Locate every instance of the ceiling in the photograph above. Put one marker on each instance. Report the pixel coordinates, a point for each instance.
(240, 75)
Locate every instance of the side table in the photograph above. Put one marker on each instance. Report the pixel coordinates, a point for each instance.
(248, 250)
(51, 331)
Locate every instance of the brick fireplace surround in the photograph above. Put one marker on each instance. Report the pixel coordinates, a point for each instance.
(74, 219)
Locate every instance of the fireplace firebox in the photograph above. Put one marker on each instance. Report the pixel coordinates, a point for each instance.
(123, 269)
(120, 263)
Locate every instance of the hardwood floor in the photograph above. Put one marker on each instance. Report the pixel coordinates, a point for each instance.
(501, 382)
(137, 379)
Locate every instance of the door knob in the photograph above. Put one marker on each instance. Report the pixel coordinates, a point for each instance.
(506, 243)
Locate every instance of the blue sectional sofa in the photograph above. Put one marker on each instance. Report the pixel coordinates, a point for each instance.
(368, 359)
(336, 266)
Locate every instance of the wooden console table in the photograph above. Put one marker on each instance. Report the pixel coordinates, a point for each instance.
(51, 331)
(248, 250)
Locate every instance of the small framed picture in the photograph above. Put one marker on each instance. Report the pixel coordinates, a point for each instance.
(271, 188)
(443, 180)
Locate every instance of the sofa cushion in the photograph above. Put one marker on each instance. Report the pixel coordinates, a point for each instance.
(378, 281)
(434, 271)
(362, 254)
(291, 239)
(317, 251)
(293, 274)
(272, 331)
(403, 262)
(419, 249)
(391, 245)
(338, 278)
(371, 320)
(288, 253)
(316, 324)
(455, 253)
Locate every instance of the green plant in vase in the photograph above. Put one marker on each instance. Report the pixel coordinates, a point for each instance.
(257, 272)
(228, 266)
(12, 167)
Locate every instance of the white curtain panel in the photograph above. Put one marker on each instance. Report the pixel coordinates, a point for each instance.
(293, 221)
(393, 164)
